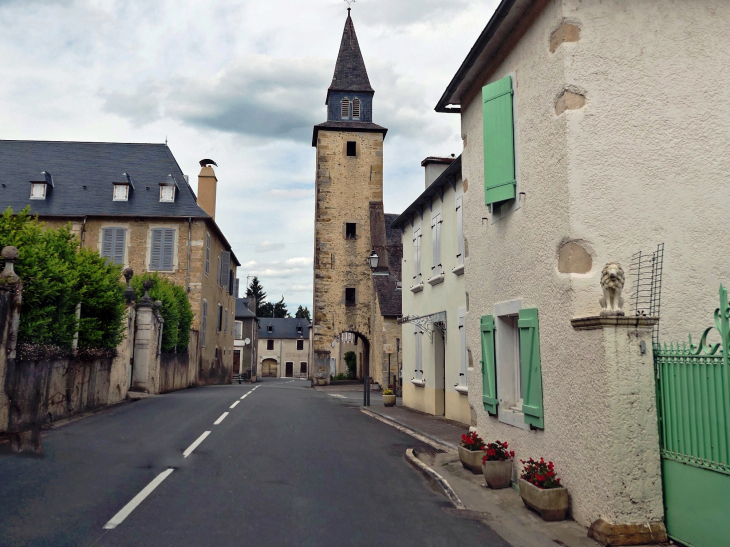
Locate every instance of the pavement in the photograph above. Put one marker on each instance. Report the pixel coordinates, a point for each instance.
(273, 463)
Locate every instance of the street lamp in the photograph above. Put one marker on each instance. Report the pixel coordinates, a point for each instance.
(373, 260)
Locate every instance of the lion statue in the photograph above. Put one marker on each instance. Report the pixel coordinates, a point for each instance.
(612, 283)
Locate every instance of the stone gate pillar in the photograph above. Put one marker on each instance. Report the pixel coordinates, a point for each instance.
(11, 290)
(144, 350)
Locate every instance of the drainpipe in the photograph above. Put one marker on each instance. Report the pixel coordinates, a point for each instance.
(187, 274)
(83, 232)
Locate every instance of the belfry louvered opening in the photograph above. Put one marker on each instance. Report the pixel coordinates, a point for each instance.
(356, 108)
(345, 108)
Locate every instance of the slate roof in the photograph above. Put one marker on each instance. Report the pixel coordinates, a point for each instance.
(350, 72)
(347, 126)
(283, 328)
(394, 245)
(242, 311)
(389, 297)
(83, 176)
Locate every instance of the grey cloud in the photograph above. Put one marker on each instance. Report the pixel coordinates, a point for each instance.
(406, 12)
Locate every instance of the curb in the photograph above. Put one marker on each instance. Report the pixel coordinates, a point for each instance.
(435, 479)
(420, 435)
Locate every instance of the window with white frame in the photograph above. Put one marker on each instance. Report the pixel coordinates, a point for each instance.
(436, 268)
(269, 345)
(418, 335)
(238, 330)
(113, 243)
(417, 256)
(300, 345)
(38, 190)
(204, 324)
(167, 194)
(207, 254)
(459, 231)
(463, 358)
(121, 192)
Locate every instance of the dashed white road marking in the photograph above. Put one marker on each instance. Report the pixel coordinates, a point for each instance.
(117, 519)
(219, 420)
(234, 404)
(195, 444)
(337, 395)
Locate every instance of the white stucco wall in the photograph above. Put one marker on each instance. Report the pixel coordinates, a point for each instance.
(644, 161)
(447, 296)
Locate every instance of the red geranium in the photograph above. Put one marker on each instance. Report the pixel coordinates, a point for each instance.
(497, 451)
(541, 474)
(472, 441)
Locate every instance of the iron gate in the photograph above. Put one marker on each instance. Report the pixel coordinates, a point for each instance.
(693, 390)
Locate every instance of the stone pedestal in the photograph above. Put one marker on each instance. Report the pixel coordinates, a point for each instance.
(145, 372)
(634, 464)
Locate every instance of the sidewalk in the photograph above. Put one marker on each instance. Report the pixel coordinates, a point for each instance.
(446, 432)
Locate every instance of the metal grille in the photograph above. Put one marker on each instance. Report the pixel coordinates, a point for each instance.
(646, 273)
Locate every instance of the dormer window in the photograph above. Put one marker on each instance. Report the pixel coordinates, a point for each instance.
(271, 328)
(299, 329)
(39, 188)
(167, 190)
(356, 109)
(345, 108)
(122, 189)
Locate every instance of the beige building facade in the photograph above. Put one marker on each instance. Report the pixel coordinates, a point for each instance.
(434, 298)
(284, 348)
(597, 162)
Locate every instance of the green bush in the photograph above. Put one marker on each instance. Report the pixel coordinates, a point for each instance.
(56, 276)
(176, 310)
(351, 361)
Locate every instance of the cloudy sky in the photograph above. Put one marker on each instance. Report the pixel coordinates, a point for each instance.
(241, 82)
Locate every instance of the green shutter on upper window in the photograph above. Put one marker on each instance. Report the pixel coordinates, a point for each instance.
(489, 374)
(499, 142)
(531, 369)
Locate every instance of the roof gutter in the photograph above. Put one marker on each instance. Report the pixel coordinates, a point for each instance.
(484, 38)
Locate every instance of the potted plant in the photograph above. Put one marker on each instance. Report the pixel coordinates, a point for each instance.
(497, 465)
(388, 397)
(541, 490)
(471, 451)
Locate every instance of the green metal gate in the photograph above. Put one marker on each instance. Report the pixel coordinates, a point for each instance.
(693, 390)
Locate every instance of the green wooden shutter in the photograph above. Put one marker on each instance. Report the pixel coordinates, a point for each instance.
(489, 371)
(531, 371)
(499, 142)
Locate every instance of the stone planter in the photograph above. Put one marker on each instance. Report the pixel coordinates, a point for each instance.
(321, 381)
(389, 400)
(472, 459)
(497, 474)
(552, 504)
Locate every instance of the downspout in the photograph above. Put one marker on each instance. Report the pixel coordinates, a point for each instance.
(83, 232)
(187, 270)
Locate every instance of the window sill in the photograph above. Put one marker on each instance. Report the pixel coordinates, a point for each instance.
(436, 280)
(462, 390)
(418, 383)
(417, 288)
(459, 270)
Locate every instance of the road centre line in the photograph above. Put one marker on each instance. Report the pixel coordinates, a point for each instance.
(234, 404)
(242, 398)
(117, 519)
(219, 420)
(195, 444)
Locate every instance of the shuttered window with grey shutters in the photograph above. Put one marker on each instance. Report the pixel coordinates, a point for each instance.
(225, 267)
(112, 244)
(163, 249)
(204, 326)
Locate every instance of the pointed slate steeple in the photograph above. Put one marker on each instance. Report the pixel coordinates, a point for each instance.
(350, 73)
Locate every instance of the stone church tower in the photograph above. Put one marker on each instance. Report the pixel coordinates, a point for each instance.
(349, 219)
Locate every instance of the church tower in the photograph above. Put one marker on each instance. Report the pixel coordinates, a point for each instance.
(349, 219)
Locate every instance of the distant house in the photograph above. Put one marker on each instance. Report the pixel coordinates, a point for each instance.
(245, 338)
(283, 347)
(132, 203)
(434, 299)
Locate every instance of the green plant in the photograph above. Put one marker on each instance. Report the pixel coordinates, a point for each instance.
(387, 392)
(176, 310)
(351, 362)
(57, 275)
(497, 451)
(340, 376)
(540, 474)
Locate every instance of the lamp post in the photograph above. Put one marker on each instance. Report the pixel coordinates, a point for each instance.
(373, 260)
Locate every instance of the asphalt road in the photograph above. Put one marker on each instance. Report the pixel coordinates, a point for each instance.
(287, 466)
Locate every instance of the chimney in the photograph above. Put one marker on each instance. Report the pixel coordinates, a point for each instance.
(207, 184)
(434, 166)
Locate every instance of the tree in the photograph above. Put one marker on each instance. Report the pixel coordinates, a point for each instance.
(273, 309)
(256, 291)
(303, 313)
(351, 362)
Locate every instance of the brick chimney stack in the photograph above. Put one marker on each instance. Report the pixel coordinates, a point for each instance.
(207, 187)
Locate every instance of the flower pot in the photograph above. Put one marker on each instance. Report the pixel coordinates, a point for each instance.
(471, 459)
(497, 474)
(551, 503)
(389, 400)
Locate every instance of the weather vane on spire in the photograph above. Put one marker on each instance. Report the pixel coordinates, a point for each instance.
(349, 4)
